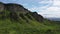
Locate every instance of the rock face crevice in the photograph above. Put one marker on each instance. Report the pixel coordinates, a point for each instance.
(1, 6)
(14, 11)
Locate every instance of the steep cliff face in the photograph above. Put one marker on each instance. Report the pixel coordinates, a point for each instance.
(38, 17)
(15, 11)
(15, 8)
(1, 6)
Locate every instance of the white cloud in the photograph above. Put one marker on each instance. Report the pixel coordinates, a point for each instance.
(56, 3)
(52, 11)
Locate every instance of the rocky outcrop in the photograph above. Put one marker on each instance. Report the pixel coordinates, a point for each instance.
(15, 8)
(37, 16)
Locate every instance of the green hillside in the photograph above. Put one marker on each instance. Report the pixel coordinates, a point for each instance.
(25, 22)
(26, 25)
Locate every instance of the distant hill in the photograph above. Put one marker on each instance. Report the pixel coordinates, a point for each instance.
(54, 19)
(15, 19)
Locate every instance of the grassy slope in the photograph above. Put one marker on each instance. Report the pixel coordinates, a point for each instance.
(22, 27)
(28, 27)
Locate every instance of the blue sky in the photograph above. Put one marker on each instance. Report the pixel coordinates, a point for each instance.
(47, 8)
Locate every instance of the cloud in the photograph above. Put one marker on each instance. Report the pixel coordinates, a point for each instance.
(45, 2)
(56, 3)
(43, 5)
(52, 11)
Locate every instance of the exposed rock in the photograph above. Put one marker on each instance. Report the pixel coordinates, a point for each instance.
(37, 16)
(1, 6)
(14, 7)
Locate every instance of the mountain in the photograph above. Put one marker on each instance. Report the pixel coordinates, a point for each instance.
(54, 19)
(15, 19)
(15, 11)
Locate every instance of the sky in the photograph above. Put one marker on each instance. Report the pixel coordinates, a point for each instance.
(47, 8)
